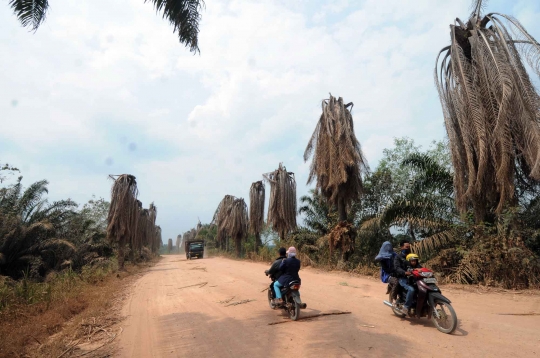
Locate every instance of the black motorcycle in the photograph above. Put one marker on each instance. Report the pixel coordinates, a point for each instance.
(290, 294)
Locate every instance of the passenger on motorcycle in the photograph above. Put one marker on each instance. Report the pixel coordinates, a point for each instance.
(401, 266)
(386, 259)
(274, 272)
(289, 272)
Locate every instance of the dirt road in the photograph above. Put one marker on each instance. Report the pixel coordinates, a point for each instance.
(167, 319)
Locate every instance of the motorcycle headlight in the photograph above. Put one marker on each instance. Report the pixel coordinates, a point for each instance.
(426, 274)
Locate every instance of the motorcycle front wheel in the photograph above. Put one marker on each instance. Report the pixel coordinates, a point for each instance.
(447, 321)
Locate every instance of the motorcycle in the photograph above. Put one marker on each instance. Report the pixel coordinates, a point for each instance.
(429, 301)
(290, 294)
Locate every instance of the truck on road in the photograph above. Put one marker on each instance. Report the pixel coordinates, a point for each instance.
(194, 248)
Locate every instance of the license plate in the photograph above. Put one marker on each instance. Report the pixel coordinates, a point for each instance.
(430, 280)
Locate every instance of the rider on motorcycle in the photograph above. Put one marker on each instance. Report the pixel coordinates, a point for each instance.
(414, 261)
(289, 272)
(274, 272)
(401, 267)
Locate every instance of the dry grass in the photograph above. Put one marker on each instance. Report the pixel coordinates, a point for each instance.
(78, 322)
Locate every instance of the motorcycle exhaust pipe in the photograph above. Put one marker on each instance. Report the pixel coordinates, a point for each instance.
(388, 304)
(303, 305)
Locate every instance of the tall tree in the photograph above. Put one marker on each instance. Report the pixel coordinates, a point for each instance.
(121, 212)
(282, 206)
(491, 110)
(338, 161)
(256, 211)
(184, 15)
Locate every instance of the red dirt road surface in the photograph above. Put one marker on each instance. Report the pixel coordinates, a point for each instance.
(164, 318)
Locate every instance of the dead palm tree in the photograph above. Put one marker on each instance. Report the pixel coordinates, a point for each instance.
(184, 15)
(178, 242)
(236, 223)
(122, 210)
(152, 215)
(219, 219)
(169, 246)
(282, 206)
(491, 109)
(156, 237)
(256, 211)
(338, 161)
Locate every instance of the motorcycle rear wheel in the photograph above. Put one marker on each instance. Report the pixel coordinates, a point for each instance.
(395, 309)
(448, 321)
(294, 311)
(272, 306)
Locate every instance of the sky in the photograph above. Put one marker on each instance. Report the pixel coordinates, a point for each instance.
(104, 87)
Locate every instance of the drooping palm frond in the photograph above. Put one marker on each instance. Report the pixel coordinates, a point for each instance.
(491, 109)
(338, 161)
(30, 12)
(282, 206)
(185, 16)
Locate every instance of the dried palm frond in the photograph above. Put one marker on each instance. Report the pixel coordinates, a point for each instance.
(432, 243)
(338, 161)
(122, 212)
(256, 207)
(491, 109)
(282, 206)
(342, 237)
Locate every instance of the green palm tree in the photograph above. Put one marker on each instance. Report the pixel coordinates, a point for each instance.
(426, 208)
(184, 15)
(28, 227)
(316, 213)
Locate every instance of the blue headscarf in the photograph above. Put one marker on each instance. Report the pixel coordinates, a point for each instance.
(386, 251)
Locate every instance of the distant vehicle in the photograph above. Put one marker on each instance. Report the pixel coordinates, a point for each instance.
(194, 248)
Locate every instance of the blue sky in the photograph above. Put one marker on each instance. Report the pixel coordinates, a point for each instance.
(105, 88)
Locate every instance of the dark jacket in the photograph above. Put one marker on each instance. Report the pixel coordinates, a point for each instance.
(401, 265)
(274, 271)
(289, 269)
